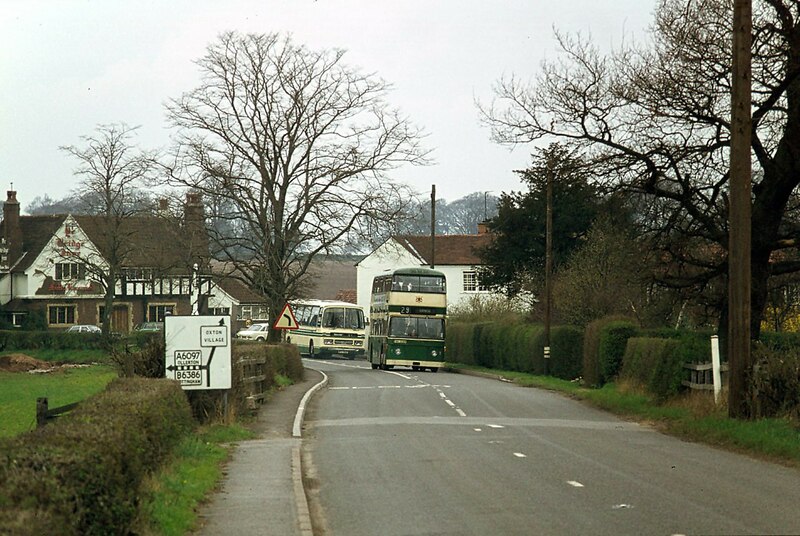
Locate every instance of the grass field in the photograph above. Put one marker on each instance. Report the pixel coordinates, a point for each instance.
(64, 356)
(19, 391)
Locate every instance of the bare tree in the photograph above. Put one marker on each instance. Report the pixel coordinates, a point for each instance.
(299, 143)
(656, 121)
(111, 169)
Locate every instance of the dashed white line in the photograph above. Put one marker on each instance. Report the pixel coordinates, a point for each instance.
(575, 483)
(520, 455)
(495, 426)
(460, 412)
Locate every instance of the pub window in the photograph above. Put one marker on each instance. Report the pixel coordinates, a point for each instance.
(156, 313)
(60, 314)
(472, 282)
(67, 271)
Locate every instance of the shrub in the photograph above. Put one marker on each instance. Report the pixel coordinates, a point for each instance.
(81, 474)
(654, 364)
(145, 359)
(776, 381)
(566, 344)
(611, 349)
(592, 375)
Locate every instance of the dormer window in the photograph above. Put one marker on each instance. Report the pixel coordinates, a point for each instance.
(70, 271)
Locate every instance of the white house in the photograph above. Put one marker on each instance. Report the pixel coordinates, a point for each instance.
(454, 255)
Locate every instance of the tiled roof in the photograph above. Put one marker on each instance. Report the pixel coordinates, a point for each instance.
(239, 291)
(450, 249)
(150, 241)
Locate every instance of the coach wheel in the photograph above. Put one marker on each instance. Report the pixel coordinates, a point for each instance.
(311, 348)
(416, 368)
(374, 366)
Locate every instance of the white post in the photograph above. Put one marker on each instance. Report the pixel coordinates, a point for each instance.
(715, 367)
(195, 290)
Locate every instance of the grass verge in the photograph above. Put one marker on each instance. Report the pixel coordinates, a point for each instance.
(692, 416)
(64, 356)
(20, 390)
(173, 494)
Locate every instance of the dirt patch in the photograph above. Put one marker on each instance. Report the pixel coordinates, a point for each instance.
(23, 363)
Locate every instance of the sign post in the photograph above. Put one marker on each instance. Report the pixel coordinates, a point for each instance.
(198, 351)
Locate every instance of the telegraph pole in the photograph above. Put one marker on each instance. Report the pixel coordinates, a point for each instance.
(433, 226)
(739, 239)
(548, 261)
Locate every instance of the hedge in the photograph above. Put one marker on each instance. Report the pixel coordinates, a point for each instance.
(655, 364)
(611, 349)
(82, 473)
(516, 347)
(57, 340)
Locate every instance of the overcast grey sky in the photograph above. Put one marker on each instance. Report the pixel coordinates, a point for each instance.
(68, 65)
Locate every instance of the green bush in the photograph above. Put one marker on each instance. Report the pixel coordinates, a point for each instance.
(782, 340)
(82, 473)
(654, 364)
(611, 348)
(566, 344)
(592, 375)
(57, 340)
(776, 381)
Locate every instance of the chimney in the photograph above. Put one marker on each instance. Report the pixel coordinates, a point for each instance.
(13, 231)
(195, 225)
(483, 228)
(163, 207)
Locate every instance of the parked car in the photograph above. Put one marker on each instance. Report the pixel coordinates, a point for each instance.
(150, 326)
(84, 328)
(255, 332)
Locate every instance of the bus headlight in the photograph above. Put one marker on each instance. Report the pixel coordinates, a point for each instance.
(327, 342)
(434, 353)
(397, 351)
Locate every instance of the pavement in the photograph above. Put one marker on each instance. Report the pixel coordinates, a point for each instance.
(262, 490)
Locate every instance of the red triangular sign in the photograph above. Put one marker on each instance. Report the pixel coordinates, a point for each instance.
(286, 319)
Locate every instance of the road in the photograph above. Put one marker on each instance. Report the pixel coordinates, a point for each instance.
(411, 453)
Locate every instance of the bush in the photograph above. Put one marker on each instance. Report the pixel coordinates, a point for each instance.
(611, 349)
(654, 364)
(81, 474)
(56, 340)
(592, 375)
(145, 358)
(776, 381)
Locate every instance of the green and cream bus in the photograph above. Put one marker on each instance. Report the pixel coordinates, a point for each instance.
(328, 328)
(408, 308)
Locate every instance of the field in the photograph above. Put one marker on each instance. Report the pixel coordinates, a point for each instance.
(65, 385)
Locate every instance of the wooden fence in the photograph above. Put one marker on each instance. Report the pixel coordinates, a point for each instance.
(701, 376)
(44, 413)
(253, 374)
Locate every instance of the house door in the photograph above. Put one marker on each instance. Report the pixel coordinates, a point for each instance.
(119, 319)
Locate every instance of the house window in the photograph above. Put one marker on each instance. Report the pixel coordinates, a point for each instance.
(60, 314)
(67, 271)
(219, 311)
(156, 313)
(137, 274)
(253, 312)
(472, 282)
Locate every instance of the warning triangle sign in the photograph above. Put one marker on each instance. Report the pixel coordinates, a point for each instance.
(286, 319)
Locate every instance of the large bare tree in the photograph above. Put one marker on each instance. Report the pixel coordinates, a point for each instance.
(299, 143)
(112, 173)
(655, 119)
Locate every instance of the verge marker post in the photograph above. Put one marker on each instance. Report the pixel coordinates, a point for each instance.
(715, 367)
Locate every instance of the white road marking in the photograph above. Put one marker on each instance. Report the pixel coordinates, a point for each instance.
(461, 412)
(575, 483)
(519, 455)
(621, 506)
(441, 394)
(450, 403)
(495, 426)
(478, 429)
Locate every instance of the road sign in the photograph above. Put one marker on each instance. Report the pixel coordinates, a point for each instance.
(286, 319)
(198, 351)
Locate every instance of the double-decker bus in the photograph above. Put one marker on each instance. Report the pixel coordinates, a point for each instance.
(328, 328)
(408, 308)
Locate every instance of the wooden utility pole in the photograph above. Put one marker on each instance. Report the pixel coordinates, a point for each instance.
(433, 226)
(548, 261)
(739, 239)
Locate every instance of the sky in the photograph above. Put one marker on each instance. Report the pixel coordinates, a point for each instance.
(68, 66)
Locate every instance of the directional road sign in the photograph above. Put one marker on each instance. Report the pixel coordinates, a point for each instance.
(198, 351)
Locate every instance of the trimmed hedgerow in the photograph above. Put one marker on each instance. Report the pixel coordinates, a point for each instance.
(81, 474)
(592, 374)
(56, 340)
(613, 339)
(655, 364)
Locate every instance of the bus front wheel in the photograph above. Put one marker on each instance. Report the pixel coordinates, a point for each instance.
(310, 348)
